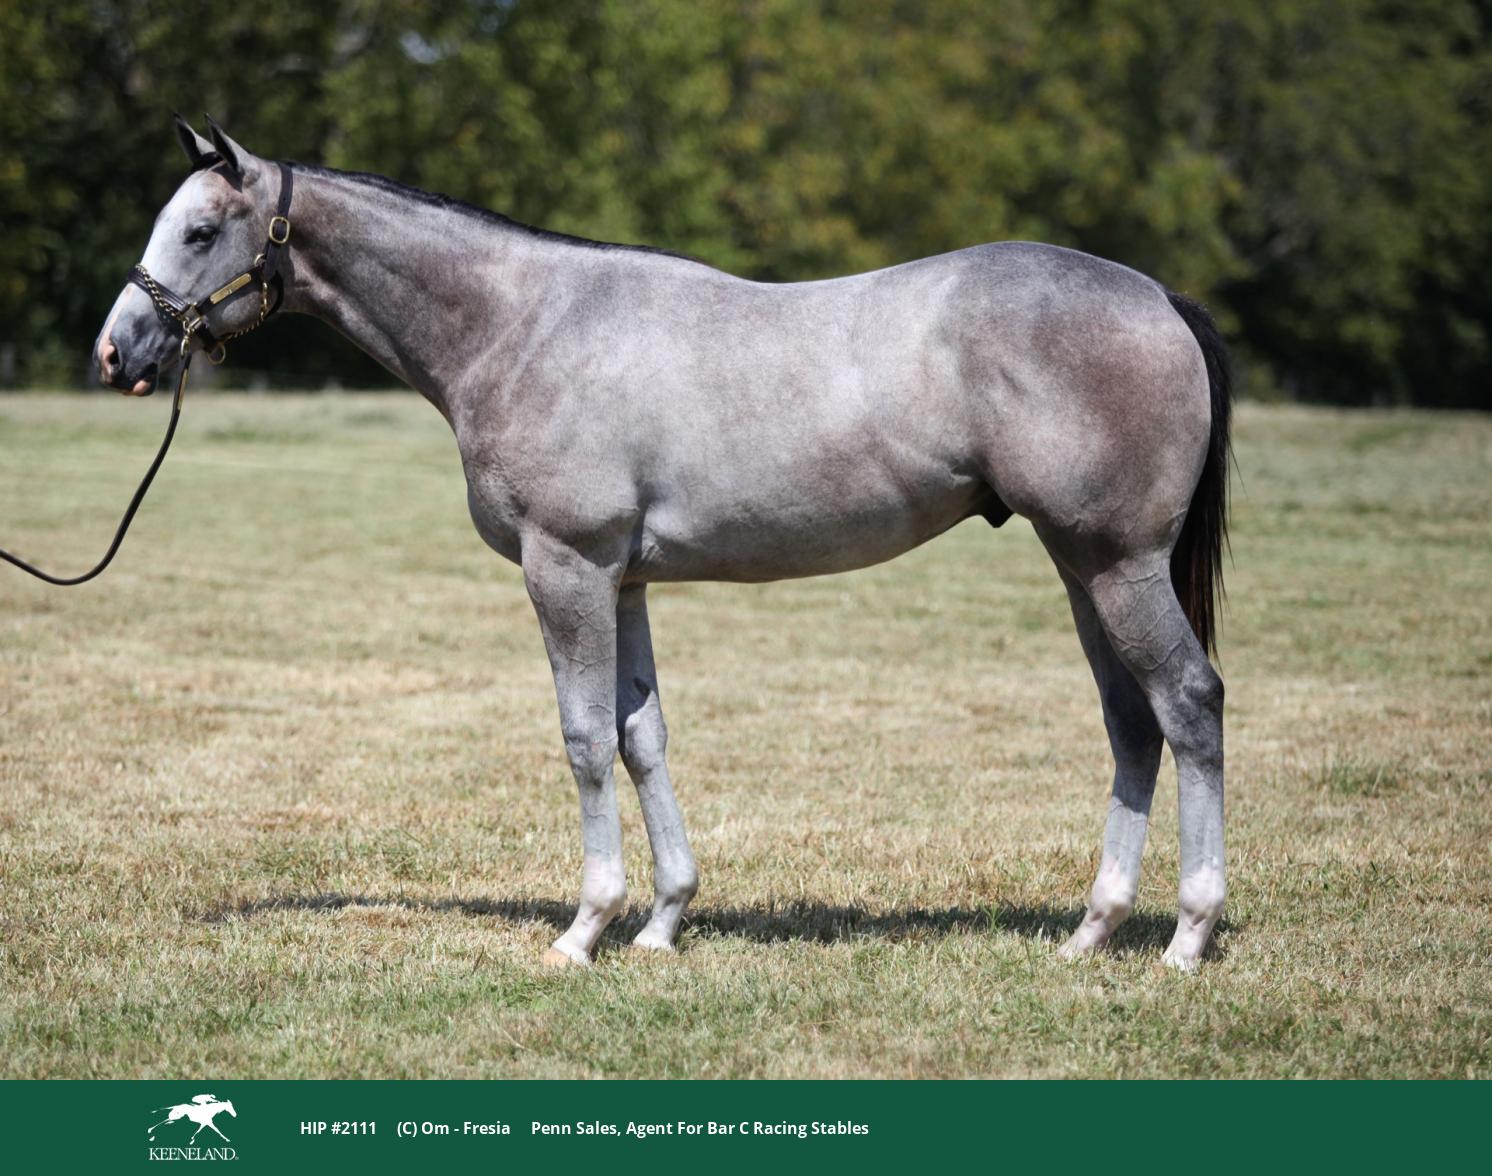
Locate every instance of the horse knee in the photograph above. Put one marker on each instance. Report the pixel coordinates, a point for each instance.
(591, 749)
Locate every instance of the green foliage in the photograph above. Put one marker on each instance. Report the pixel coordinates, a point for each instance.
(1315, 169)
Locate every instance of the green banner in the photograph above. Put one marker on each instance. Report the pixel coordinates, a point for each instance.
(372, 1127)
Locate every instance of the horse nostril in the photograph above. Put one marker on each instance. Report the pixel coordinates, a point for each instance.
(109, 360)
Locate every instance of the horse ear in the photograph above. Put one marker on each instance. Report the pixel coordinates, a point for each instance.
(233, 155)
(196, 147)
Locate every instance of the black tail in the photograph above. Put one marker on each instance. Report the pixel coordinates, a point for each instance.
(1197, 562)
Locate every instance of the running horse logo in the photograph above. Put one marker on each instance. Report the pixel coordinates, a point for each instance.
(202, 1110)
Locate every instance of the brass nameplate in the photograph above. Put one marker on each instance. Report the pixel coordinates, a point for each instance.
(232, 287)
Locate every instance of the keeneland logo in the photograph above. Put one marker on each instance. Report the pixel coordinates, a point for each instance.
(202, 1110)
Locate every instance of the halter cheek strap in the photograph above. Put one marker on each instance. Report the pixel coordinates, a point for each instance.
(189, 319)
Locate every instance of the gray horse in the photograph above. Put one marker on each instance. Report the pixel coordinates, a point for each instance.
(626, 415)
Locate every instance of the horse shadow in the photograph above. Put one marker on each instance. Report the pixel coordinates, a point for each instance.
(766, 923)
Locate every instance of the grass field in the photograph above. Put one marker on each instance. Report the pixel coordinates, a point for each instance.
(284, 793)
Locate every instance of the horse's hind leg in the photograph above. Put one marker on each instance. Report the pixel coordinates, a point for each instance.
(1147, 629)
(1135, 740)
(644, 742)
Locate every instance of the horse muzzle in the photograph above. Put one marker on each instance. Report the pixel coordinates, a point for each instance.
(113, 371)
(141, 385)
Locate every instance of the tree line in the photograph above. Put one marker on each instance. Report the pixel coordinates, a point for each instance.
(1315, 170)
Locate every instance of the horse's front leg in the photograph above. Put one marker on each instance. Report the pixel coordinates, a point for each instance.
(575, 598)
(644, 743)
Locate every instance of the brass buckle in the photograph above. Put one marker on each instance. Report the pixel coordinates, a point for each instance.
(191, 321)
(284, 236)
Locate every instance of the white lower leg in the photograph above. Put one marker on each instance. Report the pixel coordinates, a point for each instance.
(1112, 900)
(1203, 883)
(603, 894)
(1118, 881)
(1202, 896)
(674, 883)
(675, 876)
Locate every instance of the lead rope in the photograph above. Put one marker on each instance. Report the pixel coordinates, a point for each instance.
(129, 514)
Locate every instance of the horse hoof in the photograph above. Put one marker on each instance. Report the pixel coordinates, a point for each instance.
(651, 941)
(1176, 961)
(555, 958)
(1080, 946)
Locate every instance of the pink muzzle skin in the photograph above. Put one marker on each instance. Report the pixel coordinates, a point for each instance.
(105, 345)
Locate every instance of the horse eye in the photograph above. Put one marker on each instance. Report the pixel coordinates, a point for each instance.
(201, 235)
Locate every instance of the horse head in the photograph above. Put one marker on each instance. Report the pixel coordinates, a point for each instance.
(208, 231)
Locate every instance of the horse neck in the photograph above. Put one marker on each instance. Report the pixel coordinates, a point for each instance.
(425, 290)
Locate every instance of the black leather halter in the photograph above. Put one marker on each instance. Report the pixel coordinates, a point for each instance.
(189, 320)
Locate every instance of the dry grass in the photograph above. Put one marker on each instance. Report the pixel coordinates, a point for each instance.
(283, 794)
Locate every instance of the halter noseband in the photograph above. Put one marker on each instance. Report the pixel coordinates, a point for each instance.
(190, 320)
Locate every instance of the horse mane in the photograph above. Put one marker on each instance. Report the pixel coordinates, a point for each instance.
(476, 212)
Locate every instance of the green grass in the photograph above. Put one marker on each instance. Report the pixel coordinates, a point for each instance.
(283, 794)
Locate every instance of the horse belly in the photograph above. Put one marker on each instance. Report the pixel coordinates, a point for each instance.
(776, 535)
